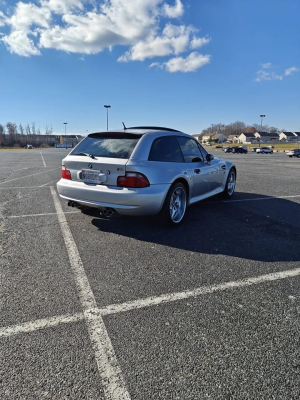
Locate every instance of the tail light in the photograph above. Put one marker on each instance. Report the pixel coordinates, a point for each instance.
(133, 180)
(66, 174)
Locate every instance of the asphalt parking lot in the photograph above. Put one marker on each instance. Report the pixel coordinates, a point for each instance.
(122, 308)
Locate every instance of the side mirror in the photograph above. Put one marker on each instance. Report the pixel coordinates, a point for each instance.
(209, 157)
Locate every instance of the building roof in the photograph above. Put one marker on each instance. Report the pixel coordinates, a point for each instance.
(297, 133)
(268, 134)
(288, 133)
(248, 134)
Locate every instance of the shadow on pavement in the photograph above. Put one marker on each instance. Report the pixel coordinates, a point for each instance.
(265, 230)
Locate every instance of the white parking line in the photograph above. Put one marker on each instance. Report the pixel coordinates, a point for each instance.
(27, 176)
(32, 326)
(261, 198)
(170, 297)
(39, 215)
(96, 313)
(113, 382)
(43, 159)
(22, 187)
(48, 183)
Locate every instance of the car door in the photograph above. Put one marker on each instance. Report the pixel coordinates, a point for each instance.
(202, 171)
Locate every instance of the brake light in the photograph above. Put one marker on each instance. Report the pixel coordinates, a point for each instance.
(133, 180)
(65, 174)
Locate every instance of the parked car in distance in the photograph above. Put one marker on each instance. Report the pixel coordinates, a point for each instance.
(293, 153)
(143, 171)
(227, 149)
(264, 150)
(219, 147)
(208, 144)
(28, 146)
(254, 149)
(239, 150)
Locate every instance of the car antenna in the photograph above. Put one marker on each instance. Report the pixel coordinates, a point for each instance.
(124, 126)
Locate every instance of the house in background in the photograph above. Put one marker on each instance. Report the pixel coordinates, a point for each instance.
(247, 137)
(266, 137)
(287, 137)
(219, 137)
(233, 139)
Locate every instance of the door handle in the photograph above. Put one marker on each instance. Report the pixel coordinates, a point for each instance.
(197, 170)
(223, 167)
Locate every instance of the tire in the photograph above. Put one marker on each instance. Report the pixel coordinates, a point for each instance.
(298, 156)
(174, 207)
(292, 156)
(230, 184)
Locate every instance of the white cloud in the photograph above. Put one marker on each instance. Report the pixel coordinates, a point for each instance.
(62, 6)
(27, 15)
(271, 74)
(173, 12)
(2, 19)
(267, 76)
(199, 42)
(174, 40)
(266, 65)
(289, 71)
(103, 25)
(19, 43)
(191, 63)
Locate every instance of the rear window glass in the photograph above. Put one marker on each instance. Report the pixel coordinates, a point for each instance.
(107, 147)
(166, 149)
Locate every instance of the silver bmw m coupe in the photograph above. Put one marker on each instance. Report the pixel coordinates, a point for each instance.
(142, 171)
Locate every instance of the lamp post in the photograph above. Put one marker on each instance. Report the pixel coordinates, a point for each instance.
(65, 123)
(107, 107)
(261, 116)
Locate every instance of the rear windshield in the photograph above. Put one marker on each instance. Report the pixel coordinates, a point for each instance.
(107, 146)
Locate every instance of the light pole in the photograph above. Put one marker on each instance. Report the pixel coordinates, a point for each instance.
(107, 107)
(65, 123)
(261, 116)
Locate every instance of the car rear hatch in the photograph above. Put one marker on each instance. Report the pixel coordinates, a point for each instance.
(101, 157)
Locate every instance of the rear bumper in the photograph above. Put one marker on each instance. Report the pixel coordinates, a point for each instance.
(125, 201)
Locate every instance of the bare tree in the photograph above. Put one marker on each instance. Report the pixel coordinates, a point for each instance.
(28, 130)
(33, 128)
(2, 135)
(48, 130)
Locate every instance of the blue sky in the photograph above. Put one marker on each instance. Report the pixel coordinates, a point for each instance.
(175, 63)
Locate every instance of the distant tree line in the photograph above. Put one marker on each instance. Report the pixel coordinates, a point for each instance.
(12, 134)
(238, 127)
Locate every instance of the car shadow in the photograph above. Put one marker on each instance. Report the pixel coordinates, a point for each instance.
(250, 226)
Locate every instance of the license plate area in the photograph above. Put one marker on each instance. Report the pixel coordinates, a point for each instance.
(95, 177)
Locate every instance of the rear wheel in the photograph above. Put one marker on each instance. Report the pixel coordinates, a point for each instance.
(230, 185)
(298, 156)
(174, 206)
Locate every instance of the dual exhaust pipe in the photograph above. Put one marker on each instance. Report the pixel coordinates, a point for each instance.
(106, 212)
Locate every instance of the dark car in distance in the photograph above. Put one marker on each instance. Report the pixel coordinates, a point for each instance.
(239, 150)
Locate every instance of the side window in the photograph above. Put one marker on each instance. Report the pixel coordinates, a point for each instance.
(165, 149)
(203, 151)
(189, 148)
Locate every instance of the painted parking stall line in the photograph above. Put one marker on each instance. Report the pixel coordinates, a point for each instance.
(39, 324)
(110, 372)
(28, 176)
(96, 313)
(43, 159)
